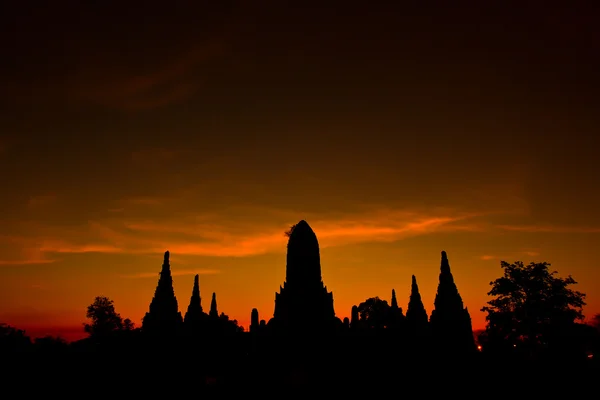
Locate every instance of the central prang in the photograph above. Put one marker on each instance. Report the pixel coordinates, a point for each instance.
(303, 266)
(303, 302)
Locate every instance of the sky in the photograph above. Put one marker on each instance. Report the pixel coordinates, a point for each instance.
(208, 128)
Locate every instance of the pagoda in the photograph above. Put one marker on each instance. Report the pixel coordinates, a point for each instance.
(450, 321)
(416, 315)
(195, 316)
(164, 316)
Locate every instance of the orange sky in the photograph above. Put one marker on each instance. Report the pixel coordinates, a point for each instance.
(209, 130)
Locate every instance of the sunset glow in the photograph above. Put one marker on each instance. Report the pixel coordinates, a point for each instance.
(210, 137)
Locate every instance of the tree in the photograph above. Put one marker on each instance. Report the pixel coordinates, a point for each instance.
(105, 320)
(128, 325)
(531, 307)
(50, 343)
(13, 339)
(595, 322)
(374, 313)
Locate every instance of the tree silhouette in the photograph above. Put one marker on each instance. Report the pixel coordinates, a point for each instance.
(50, 343)
(13, 339)
(104, 319)
(374, 313)
(128, 325)
(531, 306)
(595, 322)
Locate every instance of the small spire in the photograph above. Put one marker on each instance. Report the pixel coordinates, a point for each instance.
(415, 313)
(166, 266)
(394, 301)
(196, 292)
(254, 320)
(213, 306)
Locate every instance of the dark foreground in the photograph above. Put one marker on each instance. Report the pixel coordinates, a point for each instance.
(115, 375)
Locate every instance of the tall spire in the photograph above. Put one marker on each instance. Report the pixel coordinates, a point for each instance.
(447, 294)
(303, 258)
(394, 301)
(450, 320)
(416, 313)
(163, 314)
(213, 306)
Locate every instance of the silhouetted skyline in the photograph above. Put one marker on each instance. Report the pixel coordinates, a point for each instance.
(396, 132)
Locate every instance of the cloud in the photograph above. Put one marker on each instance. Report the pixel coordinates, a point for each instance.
(152, 68)
(226, 235)
(512, 255)
(41, 200)
(61, 246)
(177, 272)
(167, 84)
(143, 200)
(531, 253)
(548, 229)
(27, 262)
(153, 156)
(23, 251)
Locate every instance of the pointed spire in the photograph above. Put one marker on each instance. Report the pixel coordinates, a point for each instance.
(416, 313)
(394, 301)
(445, 266)
(166, 266)
(213, 306)
(194, 310)
(447, 294)
(450, 321)
(163, 314)
(196, 290)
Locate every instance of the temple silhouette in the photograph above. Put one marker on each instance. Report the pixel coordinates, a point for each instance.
(302, 343)
(304, 321)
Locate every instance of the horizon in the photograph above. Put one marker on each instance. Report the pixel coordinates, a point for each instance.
(207, 130)
(74, 333)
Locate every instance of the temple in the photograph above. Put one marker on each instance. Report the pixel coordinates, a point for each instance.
(450, 321)
(303, 303)
(164, 316)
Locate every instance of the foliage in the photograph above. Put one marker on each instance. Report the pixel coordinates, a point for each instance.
(12, 338)
(128, 325)
(595, 322)
(104, 319)
(531, 305)
(230, 325)
(288, 233)
(374, 313)
(50, 343)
